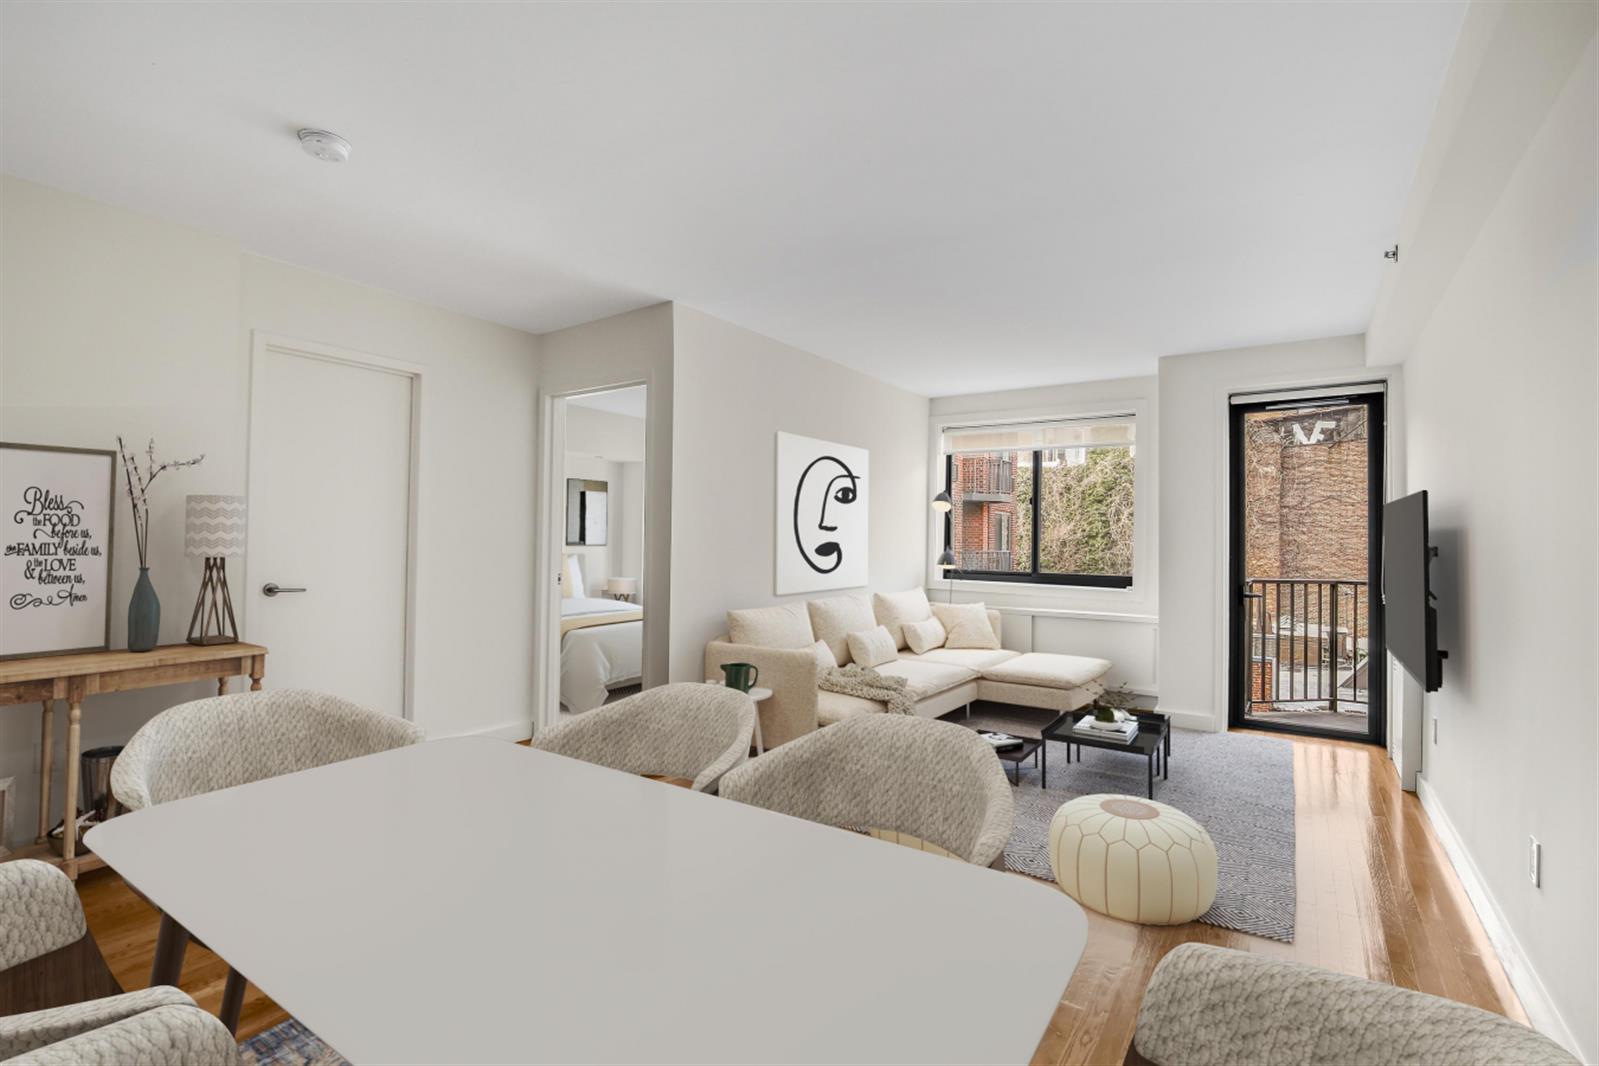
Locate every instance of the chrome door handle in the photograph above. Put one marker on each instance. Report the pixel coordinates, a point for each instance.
(272, 588)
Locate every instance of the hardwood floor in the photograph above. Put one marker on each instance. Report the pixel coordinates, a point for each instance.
(124, 925)
(1377, 898)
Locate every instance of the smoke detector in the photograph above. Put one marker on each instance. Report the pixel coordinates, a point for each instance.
(328, 147)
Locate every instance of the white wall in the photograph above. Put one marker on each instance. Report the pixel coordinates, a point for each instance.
(619, 438)
(1165, 634)
(597, 557)
(627, 560)
(115, 322)
(610, 446)
(736, 389)
(627, 349)
(1116, 624)
(477, 439)
(112, 322)
(1194, 402)
(1494, 316)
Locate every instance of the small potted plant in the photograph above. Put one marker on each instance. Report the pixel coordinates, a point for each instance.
(1113, 704)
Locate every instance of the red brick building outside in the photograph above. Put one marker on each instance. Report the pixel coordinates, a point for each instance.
(991, 515)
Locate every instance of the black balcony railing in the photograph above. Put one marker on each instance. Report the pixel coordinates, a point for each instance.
(1307, 643)
(987, 478)
(987, 561)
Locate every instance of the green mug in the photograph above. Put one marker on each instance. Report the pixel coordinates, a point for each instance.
(741, 676)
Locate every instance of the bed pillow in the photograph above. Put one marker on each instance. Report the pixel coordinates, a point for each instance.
(872, 647)
(572, 578)
(824, 658)
(894, 609)
(833, 619)
(966, 625)
(925, 635)
(787, 625)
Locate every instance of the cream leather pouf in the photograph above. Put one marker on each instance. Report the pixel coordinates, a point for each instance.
(1133, 859)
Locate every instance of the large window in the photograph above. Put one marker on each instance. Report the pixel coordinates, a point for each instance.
(1047, 502)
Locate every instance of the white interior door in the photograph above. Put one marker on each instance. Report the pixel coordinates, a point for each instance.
(330, 514)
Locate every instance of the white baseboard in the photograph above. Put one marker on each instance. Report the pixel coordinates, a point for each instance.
(1198, 720)
(519, 729)
(1535, 999)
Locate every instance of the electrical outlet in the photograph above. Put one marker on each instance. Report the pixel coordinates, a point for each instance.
(1435, 730)
(1535, 862)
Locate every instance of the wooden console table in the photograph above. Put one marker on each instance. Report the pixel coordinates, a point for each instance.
(46, 678)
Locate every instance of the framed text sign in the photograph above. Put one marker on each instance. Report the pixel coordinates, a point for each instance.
(55, 549)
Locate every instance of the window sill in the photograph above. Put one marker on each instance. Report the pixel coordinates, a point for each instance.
(1050, 601)
(1035, 587)
(1069, 612)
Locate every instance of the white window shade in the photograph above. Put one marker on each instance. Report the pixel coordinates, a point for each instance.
(1109, 432)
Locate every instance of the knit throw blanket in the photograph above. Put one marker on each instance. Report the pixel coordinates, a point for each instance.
(868, 684)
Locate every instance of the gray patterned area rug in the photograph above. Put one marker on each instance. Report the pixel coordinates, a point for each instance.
(1240, 787)
(288, 1044)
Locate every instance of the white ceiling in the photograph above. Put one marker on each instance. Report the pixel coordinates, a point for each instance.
(630, 401)
(952, 197)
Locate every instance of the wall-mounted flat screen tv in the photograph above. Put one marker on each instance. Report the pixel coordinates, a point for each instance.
(1408, 611)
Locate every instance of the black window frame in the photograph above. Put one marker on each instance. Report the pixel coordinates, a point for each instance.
(1101, 581)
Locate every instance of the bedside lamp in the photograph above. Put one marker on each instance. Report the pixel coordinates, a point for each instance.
(621, 588)
(213, 530)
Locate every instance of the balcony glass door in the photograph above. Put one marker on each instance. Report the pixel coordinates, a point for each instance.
(1307, 648)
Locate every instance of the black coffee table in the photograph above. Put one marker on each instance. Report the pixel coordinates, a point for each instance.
(1029, 746)
(1153, 742)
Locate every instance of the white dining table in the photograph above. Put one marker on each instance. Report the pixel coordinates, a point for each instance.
(471, 900)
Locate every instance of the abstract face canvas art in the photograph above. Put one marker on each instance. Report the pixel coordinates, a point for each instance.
(821, 515)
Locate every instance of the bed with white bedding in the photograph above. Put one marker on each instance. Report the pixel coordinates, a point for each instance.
(602, 647)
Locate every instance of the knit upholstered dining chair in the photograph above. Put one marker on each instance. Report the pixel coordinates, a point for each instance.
(1219, 1005)
(688, 730)
(223, 741)
(43, 944)
(914, 781)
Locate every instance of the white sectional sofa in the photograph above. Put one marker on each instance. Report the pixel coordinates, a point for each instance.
(782, 642)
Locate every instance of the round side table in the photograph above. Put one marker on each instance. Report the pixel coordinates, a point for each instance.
(757, 694)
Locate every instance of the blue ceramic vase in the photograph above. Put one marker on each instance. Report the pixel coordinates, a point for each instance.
(144, 614)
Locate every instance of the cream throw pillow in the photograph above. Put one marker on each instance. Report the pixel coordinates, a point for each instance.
(572, 578)
(872, 647)
(833, 619)
(925, 635)
(787, 625)
(894, 609)
(966, 625)
(824, 658)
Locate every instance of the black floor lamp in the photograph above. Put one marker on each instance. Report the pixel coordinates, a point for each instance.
(946, 560)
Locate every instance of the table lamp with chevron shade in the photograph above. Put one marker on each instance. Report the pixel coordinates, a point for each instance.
(213, 530)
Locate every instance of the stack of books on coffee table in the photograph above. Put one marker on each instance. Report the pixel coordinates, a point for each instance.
(1121, 732)
(1001, 741)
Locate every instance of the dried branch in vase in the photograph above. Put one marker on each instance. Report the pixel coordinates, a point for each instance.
(139, 490)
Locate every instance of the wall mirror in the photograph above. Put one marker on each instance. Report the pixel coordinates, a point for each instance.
(585, 511)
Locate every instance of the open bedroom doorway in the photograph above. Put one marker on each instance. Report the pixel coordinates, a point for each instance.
(599, 492)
